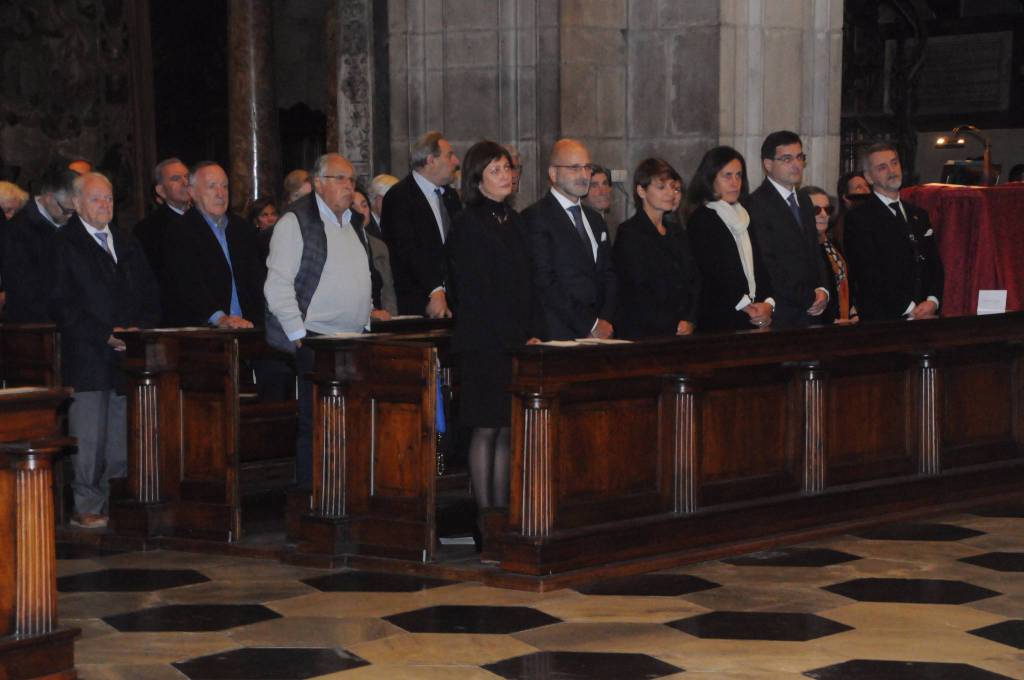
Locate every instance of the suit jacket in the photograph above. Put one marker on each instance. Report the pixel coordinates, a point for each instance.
(414, 241)
(892, 263)
(659, 283)
(91, 295)
(197, 277)
(491, 281)
(150, 233)
(575, 291)
(723, 282)
(790, 253)
(27, 268)
(381, 258)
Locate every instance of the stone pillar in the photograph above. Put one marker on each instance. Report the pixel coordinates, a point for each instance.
(348, 33)
(253, 140)
(781, 68)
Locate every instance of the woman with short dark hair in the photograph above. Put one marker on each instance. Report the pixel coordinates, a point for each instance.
(659, 284)
(840, 307)
(490, 290)
(263, 216)
(735, 288)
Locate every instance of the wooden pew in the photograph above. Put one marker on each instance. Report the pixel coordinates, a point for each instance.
(29, 355)
(374, 446)
(631, 453)
(199, 440)
(32, 642)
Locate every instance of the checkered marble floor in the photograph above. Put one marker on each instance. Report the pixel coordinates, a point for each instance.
(941, 599)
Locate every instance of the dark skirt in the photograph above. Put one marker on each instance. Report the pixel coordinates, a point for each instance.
(484, 399)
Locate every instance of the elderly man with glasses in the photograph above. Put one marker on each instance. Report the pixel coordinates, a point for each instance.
(783, 225)
(571, 250)
(28, 252)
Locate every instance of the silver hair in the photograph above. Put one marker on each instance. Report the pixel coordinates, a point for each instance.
(158, 169)
(318, 168)
(79, 183)
(429, 144)
(194, 170)
(379, 186)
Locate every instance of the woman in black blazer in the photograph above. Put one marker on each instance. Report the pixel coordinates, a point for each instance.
(735, 289)
(490, 291)
(658, 279)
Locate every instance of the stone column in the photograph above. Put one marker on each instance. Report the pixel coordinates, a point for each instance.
(255, 146)
(348, 34)
(781, 68)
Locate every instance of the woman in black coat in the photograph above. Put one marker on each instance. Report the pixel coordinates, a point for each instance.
(659, 283)
(735, 289)
(490, 290)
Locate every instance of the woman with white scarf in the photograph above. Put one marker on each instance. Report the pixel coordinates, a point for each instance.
(736, 291)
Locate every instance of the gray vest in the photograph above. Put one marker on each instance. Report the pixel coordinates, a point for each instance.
(311, 266)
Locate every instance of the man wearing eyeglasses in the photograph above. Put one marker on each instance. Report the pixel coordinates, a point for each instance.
(782, 223)
(318, 282)
(571, 250)
(415, 217)
(28, 255)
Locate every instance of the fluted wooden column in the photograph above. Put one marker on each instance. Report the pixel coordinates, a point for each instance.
(813, 398)
(538, 512)
(681, 417)
(329, 451)
(929, 425)
(254, 142)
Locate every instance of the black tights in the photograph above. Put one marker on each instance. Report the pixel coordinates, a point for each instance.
(488, 465)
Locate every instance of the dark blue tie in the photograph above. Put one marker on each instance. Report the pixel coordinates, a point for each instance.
(446, 219)
(581, 231)
(794, 208)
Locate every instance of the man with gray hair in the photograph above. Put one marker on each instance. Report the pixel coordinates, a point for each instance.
(379, 187)
(416, 215)
(102, 284)
(27, 259)
(318, 282)
(170, 181)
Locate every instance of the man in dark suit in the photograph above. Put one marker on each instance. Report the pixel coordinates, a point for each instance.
(892, 251)
(783, 226)
(571, 250)
(213, 273)
(28, 254)
(102, 284)
(415, 219)
(170, 181)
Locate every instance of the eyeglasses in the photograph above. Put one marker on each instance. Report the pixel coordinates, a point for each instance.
(588, 168)
(819, 209)
(68, 212)
(340, 178)
(789, 158)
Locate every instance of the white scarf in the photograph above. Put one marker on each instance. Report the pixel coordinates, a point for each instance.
(737, 219)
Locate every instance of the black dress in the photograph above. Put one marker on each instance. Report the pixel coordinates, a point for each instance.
(659, 284)
(723, 282)
(490, 291)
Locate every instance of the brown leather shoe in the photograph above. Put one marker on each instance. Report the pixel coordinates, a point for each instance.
(89, 520)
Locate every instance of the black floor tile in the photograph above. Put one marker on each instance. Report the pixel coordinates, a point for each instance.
(918, 531)
(373, 582)
(471, 619)
(864, 669)
(191, 617)
(79, 551)
(649, 584)
(792, 557)
(999, 561)
(1007, 632)
(759, 626)
(129, 580)
(581, 666)
(268, 663)
(911, 590)
(1008, 510)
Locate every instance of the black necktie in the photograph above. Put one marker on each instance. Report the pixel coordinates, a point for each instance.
(794, 208)
(581, 231)
(895, 205)
(446, 220)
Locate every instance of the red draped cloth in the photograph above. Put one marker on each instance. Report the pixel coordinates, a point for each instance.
(981, 241)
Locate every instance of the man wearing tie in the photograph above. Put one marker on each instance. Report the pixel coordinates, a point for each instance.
(102, 284)
(571, 250)
(415, 218)
(894, 260)
(783, 227)
(213, 272)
